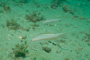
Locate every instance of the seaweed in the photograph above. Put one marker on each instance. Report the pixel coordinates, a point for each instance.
(13, 25)
(21, 1)
(7, 8)
(34, 17)
(56, 3)
(20, 51)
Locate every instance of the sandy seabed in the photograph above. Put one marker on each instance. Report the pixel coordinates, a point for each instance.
(21, 21)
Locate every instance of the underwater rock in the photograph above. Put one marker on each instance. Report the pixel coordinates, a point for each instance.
(54, 5)
(46, 49)
(22, 37)
(68, 8)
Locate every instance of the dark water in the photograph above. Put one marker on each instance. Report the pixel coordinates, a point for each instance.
(44, 29)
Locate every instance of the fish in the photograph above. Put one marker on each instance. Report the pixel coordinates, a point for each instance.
(51, 20)
(47, 36)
